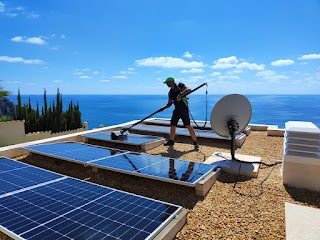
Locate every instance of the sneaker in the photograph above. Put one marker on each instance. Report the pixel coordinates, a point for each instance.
(196, 145)
(169, 143)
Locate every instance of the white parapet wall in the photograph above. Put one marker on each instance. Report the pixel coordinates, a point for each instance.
(13, 132)
(301, 159)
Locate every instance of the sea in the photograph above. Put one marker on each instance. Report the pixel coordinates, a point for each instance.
(106, 110)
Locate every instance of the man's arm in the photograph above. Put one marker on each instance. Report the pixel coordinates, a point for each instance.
(184, 90)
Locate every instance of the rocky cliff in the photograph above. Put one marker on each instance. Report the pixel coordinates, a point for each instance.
(7, 108)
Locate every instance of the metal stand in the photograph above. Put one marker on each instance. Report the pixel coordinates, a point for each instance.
(233, 126)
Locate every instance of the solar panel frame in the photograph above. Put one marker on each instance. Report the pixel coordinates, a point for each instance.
(155, 204)
(94, 163)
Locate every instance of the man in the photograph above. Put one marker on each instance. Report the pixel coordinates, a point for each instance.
(181, 110)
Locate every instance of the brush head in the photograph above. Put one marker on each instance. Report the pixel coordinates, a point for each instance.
(119, 135)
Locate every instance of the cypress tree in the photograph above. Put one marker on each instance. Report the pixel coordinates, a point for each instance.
(19, 107)
(52, 118)
(45, 103)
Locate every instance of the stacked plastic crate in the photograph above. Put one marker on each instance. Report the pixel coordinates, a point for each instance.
(301, 160)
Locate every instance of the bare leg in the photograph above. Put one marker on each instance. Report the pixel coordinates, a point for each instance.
(192, 133)
(172, 132)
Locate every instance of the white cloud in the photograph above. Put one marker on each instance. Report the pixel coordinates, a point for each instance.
(232, 61)
(310, 56)
(78, 73)
(187, 54)
(192, 70)
(13, 12)
(215, 74)
(104, 80)
(197, 77)
(270, 75)
(32, 15)
(33, 40)
(85, 77)
(282, 62)
(168, 62)
(17, 39)
(95, 72)
(36, 40)
(190, 80)
(19, 8)
(130, 71)
(62, 36)
(86, 69)
(20, 60)
(229, 77)
(120, 77)
(223, 63)
(235, 71)
(2, 7)
(250, 66)
(57, 81)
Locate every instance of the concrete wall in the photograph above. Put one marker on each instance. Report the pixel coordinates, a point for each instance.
(301, 175)
(12, 132)
(17, 150)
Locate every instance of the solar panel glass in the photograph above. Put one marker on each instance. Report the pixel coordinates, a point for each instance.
(72, 209)
(75, 151)
(157, 167)
(134, 139)
(16, 175)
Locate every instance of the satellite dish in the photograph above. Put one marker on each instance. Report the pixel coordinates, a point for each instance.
(230, 116)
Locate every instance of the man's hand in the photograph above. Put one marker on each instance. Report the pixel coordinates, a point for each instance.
(163, 108)
(179, 98)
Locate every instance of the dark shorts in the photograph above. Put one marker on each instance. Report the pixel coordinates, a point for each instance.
(180, 114)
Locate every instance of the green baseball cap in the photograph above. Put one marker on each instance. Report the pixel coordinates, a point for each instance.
(169, 79)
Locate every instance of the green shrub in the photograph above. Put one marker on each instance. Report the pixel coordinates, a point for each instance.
(6, 118)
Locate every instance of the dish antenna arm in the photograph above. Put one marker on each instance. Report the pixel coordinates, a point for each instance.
(233, 126)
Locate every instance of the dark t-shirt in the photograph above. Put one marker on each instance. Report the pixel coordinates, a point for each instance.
(173, 94)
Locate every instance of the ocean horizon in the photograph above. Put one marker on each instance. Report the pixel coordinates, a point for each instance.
(105, 110)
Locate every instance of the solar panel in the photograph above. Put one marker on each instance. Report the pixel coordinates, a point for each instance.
(134, 139)
(15, 176)
(75, 151)
(157, 167)
(166, 122)
(73, 209)
(179, 131)
(182, 131)
(202, 133)
(152, 128)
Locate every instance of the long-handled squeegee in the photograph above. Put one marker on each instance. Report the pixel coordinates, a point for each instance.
(122, 135)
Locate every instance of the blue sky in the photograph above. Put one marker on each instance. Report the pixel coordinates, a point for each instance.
(130, 47)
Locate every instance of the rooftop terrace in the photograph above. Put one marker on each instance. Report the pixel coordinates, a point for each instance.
(235, 207)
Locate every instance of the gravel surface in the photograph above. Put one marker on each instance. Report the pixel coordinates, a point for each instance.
(223, 213)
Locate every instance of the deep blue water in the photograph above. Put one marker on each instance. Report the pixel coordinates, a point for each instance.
(115, 109)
